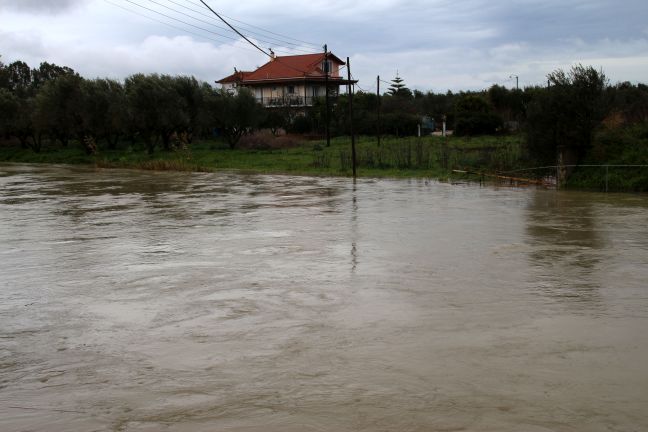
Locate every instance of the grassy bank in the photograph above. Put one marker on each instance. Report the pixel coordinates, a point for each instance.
(394, 157)
(431, 157)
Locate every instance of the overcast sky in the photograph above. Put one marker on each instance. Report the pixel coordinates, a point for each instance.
(433, 44)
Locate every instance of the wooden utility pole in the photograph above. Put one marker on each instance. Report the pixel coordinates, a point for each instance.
(350, 94)
(326, 84)
(378, 94)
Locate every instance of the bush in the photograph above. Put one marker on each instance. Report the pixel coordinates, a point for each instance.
(300, 125)
(400, 124)
(478, 123)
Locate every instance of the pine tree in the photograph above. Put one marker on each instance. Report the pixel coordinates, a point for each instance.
(398, 88)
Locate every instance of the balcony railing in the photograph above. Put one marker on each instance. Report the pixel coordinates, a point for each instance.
(286, 101)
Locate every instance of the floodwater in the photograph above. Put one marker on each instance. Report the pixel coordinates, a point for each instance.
(145, 301)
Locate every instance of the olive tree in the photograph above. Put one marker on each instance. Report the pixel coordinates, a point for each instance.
(567, 113)
(58, 110)
(103, 113)
(155, 108)
(236, 114)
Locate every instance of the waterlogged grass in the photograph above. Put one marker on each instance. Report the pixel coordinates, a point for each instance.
(430, 157)
(394, 157)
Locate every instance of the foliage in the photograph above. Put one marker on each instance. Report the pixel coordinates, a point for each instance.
(275, 119)
(630, 102)
(301, 125)
(397, 88)
(156, 108)
(236, 114)
(473, 116)
(58, 108)
(9, 104)
(400, 124)
(46, 107)
(615, 146)
(567, 113)
(103, 114)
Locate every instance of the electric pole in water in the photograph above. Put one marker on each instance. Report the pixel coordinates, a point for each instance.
(350, 94)
(326, 80)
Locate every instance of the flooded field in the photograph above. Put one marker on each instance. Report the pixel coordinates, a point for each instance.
(144, 301)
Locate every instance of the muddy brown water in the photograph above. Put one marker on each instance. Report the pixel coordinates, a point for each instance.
(144, 301)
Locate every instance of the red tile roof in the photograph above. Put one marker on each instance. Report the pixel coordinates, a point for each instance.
(236, 77)
(289, 67)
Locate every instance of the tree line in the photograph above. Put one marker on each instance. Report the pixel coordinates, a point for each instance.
(578, 108)
(55, 104)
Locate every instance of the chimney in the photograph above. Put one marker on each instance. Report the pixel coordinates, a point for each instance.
(273, 56)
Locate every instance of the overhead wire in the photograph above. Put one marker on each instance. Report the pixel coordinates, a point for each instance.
(175, 27)
(180, 21)
(315, 45)
(272, 56)
(275, 41)
(235, 30)
(358, 85)
(268, 39)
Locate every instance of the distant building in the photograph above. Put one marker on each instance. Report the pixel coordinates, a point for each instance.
(289, 80)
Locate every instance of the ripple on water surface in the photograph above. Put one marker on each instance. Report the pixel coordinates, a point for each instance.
(194, 302)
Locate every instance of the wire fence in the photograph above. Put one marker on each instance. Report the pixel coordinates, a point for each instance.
(555, 171)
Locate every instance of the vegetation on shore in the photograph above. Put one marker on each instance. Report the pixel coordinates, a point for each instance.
(430, 157)
(50, 114)
(394, 157)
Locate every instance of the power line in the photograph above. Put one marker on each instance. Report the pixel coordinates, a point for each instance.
(360, 88)
(237, 32)
(272, 56)
(179, 20)
(260, 28)
(282, 39)
(173, 26)
(203, 29)
(273, 40)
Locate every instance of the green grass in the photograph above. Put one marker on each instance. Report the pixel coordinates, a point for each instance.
(395, 157)
(615, 146)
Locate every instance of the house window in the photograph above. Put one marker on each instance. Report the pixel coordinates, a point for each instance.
(291, 89)
(326, 66)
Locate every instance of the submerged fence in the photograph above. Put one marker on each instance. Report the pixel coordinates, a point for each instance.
(495, 159)
(623, 180)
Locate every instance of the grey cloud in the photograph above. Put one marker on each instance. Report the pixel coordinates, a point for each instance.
(40, 6)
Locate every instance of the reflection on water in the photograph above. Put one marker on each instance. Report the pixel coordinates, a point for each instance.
(141, 301)
(566, 246)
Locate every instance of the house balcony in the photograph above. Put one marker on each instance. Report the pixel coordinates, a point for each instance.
(286, 101)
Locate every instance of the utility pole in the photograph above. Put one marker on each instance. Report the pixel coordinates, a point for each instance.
(378, 94)
(326, 84)
(350, 94)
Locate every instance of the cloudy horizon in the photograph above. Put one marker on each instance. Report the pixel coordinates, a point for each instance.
(432, 45)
